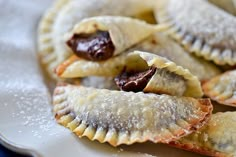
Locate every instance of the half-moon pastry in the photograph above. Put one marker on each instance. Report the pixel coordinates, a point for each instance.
(222, 88)
(216, 138)
(162, 45)
(100, 38)
(201, 27)
(119, 117)
(166, 77)
(64, 14)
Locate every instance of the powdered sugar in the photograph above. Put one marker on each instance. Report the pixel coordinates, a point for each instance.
(164, 46)
(217, 135)
(205, 21)
(30, 110)
(25, 114)
(222, 88)
(23, 93)
(128, 112)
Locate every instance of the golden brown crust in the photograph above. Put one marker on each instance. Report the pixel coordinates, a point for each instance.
(216, 138)
(61, 68)
(222, 88)
(196, 149)
(63, 15)
(68, 100)
(168, 78)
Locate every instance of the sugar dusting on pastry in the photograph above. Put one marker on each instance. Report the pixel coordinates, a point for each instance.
(222, 88)
(205, 21)
(162, 45)
(125, 117)
(119, 117)
(216, 138)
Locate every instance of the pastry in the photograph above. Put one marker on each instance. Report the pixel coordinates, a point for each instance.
(64, 14)
(162, 45)
(222, 88)
(165, 76)
(159, 44)
(217, 138)
(48, 57)
(100, 38)
(201, 27)
(127, 117)
(132, 82)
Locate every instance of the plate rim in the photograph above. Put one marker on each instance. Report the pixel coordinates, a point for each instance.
(18, 148)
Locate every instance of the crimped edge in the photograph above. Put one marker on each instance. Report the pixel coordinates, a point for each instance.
(194, 148)
(229, 101)
(193, 84)
(191, 43)
(65, 117)
(46, 53)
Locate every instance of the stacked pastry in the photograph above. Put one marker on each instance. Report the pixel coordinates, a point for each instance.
(137, 81)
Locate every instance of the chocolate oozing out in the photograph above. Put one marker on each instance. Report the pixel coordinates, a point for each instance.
(97, 46)
(134, 81)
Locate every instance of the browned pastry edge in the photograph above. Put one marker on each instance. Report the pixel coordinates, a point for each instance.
(197, 149)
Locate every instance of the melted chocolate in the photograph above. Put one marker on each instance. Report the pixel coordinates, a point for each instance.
(96, 47)
(134, 81)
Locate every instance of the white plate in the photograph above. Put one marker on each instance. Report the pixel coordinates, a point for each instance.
(26, 122)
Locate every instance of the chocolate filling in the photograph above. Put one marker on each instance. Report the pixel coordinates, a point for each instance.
(96, 47)
(134, 81)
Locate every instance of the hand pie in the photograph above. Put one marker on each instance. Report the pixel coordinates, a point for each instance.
(134, 74)
(158, 44)
(217, 138)
(222, 88)
(201, 27)
(64, 14)
(119, 117)
(100, 38)
(162, 45)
